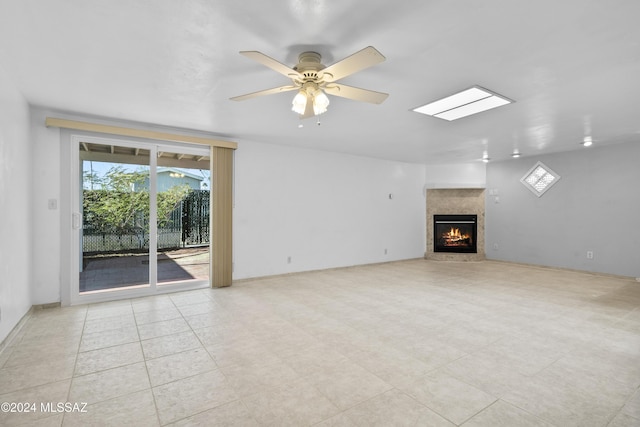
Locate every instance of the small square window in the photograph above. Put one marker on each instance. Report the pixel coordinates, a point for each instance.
(539, 179)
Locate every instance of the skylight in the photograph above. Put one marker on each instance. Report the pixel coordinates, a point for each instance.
(462, 104)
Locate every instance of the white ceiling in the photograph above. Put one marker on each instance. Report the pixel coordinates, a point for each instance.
(572, 66)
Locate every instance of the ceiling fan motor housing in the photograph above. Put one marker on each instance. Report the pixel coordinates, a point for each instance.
(308, 65)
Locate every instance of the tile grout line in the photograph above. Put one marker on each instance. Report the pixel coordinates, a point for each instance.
(239, 399)
(146, 368)
(75, 362)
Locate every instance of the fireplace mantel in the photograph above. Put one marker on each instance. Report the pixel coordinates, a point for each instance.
(454, 201)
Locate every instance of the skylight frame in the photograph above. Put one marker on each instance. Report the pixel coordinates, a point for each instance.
(467, 102)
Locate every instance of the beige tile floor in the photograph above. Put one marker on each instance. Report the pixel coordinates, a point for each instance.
(415, 343)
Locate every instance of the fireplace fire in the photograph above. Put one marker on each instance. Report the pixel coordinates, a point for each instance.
(455, 233)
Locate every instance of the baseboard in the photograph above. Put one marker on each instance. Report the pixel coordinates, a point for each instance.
(45, 306)
(23, 321)
(572, 270)
(292, 273)
(15, 331)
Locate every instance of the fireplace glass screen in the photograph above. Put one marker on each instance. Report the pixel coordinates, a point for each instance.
(455, 233)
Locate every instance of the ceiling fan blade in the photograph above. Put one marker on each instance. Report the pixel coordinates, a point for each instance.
(360, 60)
(264, 92)
(271, 63)
(355, 93)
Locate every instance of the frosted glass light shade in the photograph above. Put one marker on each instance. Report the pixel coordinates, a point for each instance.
(320, 103)
(299, 103)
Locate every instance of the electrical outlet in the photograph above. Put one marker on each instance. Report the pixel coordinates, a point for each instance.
(589, 254)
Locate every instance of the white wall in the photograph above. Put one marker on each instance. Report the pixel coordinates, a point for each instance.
(46, 224)
(594, 206)
(15, 207)
(323, 210)
(465, 175)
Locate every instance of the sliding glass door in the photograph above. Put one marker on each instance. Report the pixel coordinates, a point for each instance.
(141, 217)
(183, 188)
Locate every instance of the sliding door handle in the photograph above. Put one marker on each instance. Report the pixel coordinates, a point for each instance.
(76, 221)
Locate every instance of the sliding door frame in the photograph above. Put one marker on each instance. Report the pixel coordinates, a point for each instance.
(74, 294)
(69, 249)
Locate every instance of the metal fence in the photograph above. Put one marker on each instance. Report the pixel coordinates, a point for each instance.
(194, 217)
(187, 225)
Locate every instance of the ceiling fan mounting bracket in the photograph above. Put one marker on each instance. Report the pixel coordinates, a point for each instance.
(309, 61)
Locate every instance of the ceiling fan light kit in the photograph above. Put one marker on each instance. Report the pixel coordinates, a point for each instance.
(311, 94)
(314, 81)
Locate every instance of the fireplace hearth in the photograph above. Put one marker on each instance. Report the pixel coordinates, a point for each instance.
(455, 233)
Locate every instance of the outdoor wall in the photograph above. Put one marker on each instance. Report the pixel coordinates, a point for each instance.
(15, 207)
(322, 210)
(594, 206)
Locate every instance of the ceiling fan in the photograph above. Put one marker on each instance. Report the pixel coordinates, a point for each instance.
(313, 80)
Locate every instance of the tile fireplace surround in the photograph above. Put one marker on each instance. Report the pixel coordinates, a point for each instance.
(452, 201)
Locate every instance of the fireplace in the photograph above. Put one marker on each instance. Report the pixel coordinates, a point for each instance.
(455, 233)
